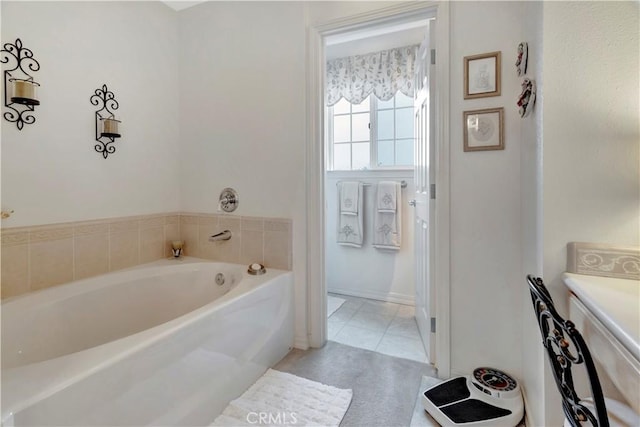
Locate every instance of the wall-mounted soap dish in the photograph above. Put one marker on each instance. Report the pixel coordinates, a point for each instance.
(256, 269)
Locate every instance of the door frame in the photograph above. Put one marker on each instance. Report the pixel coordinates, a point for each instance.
(315, 166)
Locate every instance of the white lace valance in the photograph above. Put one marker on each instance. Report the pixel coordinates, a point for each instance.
(383, 73)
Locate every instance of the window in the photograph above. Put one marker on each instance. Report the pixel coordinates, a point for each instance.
(372, 135)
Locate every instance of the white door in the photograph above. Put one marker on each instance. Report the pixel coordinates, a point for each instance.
(423, 201)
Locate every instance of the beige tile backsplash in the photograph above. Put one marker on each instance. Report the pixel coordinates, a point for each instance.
(51, 263)
(252, 239)
(42, 256)
(90, 255)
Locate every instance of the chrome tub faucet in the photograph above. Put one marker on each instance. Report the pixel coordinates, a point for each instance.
(224, 235)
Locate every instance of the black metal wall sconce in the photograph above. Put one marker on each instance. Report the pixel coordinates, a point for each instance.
(20, 89)
(107, 127)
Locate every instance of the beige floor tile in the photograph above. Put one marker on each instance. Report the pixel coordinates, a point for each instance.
(406, 348)
(360, 321)
(358, 337)
(404, 327)
(386, 308)
(370, 320)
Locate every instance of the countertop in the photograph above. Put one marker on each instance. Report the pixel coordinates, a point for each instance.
(615, 302)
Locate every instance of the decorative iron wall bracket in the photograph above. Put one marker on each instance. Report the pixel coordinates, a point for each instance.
(106, 123)
(21, 101)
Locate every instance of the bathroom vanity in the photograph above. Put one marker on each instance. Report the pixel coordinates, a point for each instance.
(607, 312)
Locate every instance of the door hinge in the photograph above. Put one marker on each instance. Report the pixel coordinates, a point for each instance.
(433, 57)
(432, 190)
(433, 324)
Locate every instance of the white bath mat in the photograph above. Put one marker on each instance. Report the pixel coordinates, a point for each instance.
(282, 399)
(333, 303)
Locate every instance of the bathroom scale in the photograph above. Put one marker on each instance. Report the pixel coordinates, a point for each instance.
(487, 398)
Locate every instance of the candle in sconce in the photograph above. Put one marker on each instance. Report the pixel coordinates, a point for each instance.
(24, 92)
(110, 127)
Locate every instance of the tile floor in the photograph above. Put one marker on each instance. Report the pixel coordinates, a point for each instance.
(383, 327)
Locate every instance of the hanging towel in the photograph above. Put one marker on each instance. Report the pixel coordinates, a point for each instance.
(387, 222)
(349, 197)
(386, 196)
(350, 220)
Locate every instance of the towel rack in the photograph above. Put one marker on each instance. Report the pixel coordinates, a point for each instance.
(403, 184)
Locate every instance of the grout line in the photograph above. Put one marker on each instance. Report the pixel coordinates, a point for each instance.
(29, 263)
(108, 250)
(73, 257)
(384, 334)
(385, 331)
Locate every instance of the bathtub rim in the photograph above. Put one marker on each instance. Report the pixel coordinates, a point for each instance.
(148, 274)
(75, 287)
(37, 381)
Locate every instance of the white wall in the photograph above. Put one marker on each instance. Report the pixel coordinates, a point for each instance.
(533, 359)
(240, 96)
(375, 43)
(240, 88)
(242, 111)
(486, 239)
(318, 12)
(369, 272)
(230, 119)
(242, 68)
(591, 128)
(50, 171)
(487, 281)
(591, 132)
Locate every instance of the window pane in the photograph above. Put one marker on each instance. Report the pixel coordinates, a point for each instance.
(341, 129)
(385, 104)
(360, 127)
(404, 123)
(385, 124)
(342, 156)
(360, 156)
(385, 153)
(404, 152)
(403, 100)
(363, 106)
(341, 107)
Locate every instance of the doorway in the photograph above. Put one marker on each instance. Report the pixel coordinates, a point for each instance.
(370, 271)
(317, 188)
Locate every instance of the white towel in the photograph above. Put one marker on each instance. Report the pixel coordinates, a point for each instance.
(350, 223)
(386, 196)
(387, 222)
(349, 197)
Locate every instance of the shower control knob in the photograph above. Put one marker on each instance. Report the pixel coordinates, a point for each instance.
(228, 200)
(412, 202)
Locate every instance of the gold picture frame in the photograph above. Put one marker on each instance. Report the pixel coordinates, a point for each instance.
(484, 129)
(482, 75)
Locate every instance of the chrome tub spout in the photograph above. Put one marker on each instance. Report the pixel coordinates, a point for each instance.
(224, 235)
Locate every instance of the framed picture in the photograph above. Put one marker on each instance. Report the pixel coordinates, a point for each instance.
(483, 129)
(482, 75)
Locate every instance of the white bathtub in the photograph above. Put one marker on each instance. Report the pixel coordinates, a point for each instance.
(160, 344)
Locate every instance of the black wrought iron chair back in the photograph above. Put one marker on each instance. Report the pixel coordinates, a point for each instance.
(566, 347)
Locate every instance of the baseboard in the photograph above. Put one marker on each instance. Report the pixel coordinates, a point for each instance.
(301, 343)
(380, 296)
(528, 421)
